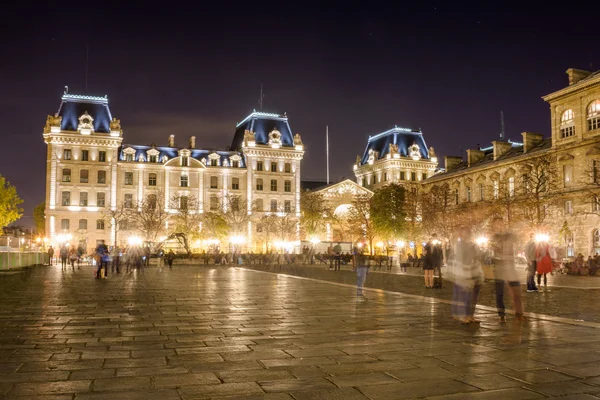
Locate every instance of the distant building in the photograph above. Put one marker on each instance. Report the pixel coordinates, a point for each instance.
(90, 170)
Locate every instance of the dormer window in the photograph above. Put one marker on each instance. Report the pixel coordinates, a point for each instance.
(213, 163)
(235, 164)
(152, 159)
(593, 115)
(567, 124)
(129, 157)
(183, 180)
(185, 161)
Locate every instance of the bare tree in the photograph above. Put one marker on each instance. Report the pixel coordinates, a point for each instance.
(280, 225)
(118, 219)
(506, 200)
(151, 217)
(540, 180)
(360, 219)
(186, 218)
(235, 213)
(315, 214)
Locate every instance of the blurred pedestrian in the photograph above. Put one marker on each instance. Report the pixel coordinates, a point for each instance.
(64, 255)
(362, 267)
(51, 255)
(543, 255)
(530, 256)
(73, 257)
(337, 253)
(169, 257)
(468, 277)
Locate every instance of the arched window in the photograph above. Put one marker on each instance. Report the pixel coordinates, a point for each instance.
(593, 115)
(567, 124)
(596, 241)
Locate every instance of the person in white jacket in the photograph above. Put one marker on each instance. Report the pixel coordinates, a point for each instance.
(468, 276)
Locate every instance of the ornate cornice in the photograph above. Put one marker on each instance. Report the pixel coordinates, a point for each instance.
(273, 153)
(53, 138)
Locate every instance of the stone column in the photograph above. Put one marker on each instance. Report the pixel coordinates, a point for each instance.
(140, 187)
(113, 184)
(53, 181)
(201, 190)
(167, 194)
(298, 186)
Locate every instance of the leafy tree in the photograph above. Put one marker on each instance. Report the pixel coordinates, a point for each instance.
(315, 214)
(9, 203)
(150, 217)
(388, 211)
(214, 225)
(39, 216)
(360, 220)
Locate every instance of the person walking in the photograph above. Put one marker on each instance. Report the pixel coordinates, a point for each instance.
(73, 257)
(543, 256)
(362, 268)
(468, 277)
(531, 257)
(116, 260)
(101, 260)
(169, 257)
(503, 246)
(330, 255)
(430, 262)
(64, 255)
(51, 255)
(337, 252)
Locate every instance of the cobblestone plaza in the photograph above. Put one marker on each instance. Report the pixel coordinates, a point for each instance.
(226, 332)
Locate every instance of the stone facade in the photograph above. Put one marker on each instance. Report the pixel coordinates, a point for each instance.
(90, 170)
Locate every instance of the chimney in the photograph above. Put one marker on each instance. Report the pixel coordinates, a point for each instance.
(575, 75)
(500, 148)
(451, 162)
(193, 142)
(171, 140)
(473, 156)
(530, 140)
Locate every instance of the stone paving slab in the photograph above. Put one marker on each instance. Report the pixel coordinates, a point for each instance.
(233, 333)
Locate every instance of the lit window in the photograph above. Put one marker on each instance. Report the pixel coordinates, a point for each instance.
(185, 161)
(100, 224)
(596, 241)
(568, 175)
(214, 182)
(568, 207)
(85, 155)
(596, 203)
(259, 205)
(66, 199)
(468, 193)
(273, 166)
(152, 179)
(128, 200)
(235, 183)
(66, 175)
(287, 186)
(64, 224)
(101, 176)
(129, 178)
(235, 203)
(84, 176)
(259, 184)
(100, 199)
(183, 181)
(83, 199)
(102, 156)
(511, 186)
(288, 168)
(259, 165)
(287, 206)
(66, 154)
(83, 224)
(567, 124)
(273, 205)
(273, 185)
(214, 203)
(593, 115)
(183, 202)
(496, 189)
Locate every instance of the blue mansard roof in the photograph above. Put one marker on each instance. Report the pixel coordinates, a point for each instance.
(74, 106)
(402, 137)
(172, 152)
(262, 124)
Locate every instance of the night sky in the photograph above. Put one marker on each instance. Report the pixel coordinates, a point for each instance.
(448, 70)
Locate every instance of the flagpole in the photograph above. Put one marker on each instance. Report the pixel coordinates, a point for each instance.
(327, 150)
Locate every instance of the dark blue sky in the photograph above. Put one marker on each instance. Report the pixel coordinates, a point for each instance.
(446, 69)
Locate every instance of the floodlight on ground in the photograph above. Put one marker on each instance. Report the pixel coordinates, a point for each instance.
(400, 243)
(315, 240)
(542, 237)
(482, 241)
(134, 240)
(237, 240)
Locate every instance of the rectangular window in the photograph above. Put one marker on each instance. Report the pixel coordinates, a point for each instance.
(385, 176)
(83, 199)
(102, 156)
(183, 202)
(85, 155)
(235, 164)
(151, 200)
(129, 157)
(66, 154)
(152, 179)
(273, 166)
(66, 199)
(568, 175)
(128, 200)
(287, 206)
(424, 176)
(214, 203)
(214, 182)
(456, 196)
(183, 181)
(595, 171)
(259, 184)
(568, 207)
(100, 224)
(64, 224)
(123, 225)
(100, 199)
(153, 159)
(66, 175)
(84, 176)
(259, 228)
(213, 163)
(593, 123)
(235, 183)
(83, 224)
(273, 205)
(402, 175)
(287, 186)
(259, 165)
(235, 203)
(511, 186)
(129, 178)
(101, 176)
(496, 189)
(525, 179)
(288, 168)
(567, 131)
(469, 193)
(259, 205)
(185, 161)
(413, 176)
(596, 203)
(273, 185)
(481, 192)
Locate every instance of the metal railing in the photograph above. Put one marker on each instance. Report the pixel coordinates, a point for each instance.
(18, 259)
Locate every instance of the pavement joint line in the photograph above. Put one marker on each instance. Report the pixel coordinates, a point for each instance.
(561, 320)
